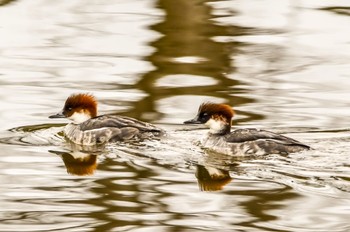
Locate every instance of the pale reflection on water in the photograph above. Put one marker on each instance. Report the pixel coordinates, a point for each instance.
(282, 64)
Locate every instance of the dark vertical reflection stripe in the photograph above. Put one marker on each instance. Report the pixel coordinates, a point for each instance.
(187, 31)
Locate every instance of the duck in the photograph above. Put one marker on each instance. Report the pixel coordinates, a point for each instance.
(240, 142)
(87, 128)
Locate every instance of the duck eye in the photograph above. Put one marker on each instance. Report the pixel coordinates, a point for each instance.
(203, 115)
(69, 108)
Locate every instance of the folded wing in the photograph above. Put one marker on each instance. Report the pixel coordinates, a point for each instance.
(245, 135)
(115, 121)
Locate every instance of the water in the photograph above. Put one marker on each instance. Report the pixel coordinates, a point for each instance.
(283, 65)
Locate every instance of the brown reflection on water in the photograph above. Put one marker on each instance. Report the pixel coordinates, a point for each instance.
(78, 163)
(126, 199)
(187, 33)
(5, 2)
(338, 10)
(139, 197)
(211, 178)
(80, 160)
(260, 208)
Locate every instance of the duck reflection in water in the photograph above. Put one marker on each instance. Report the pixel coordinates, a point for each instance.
(80, 160)
(211, 178)
(213, 170)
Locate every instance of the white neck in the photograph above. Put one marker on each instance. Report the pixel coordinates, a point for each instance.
(79, 117)
(216, 126)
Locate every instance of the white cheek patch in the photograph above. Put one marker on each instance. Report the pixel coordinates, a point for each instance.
(215, 173)
(79, 117)
(80, 155)
(215, 126)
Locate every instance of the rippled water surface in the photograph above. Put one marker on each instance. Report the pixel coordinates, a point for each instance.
(283, 65)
